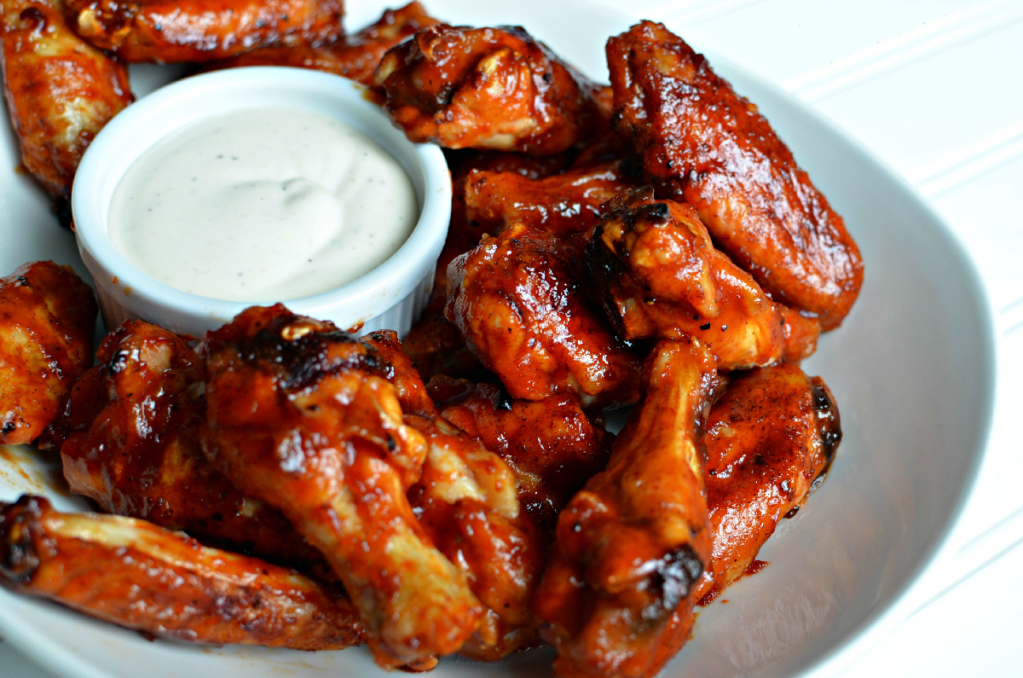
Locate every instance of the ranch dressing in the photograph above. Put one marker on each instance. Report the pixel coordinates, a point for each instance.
(262, 205)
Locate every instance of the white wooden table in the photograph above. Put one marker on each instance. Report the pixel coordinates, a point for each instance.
(934, 87)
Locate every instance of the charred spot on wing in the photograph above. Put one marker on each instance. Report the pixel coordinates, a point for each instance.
(675, 575)
(504, 401)
(829, 421)
(308, 358)
(18, 557)
(657, 213)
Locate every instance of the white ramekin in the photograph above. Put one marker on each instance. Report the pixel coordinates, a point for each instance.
(390, 296)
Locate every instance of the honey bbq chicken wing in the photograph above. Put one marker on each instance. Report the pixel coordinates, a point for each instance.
(132, 445)
(354, 56)
(658, 275)
(173, 31)
(487, 88)
(60, 92)
(519, 303)
(770, 438)
(552, 447)
(467, 502)
(47, 318)
(301, 415)
(434, 344)
(618, 593)
(702, 143)
(564, 204)
(139, 576)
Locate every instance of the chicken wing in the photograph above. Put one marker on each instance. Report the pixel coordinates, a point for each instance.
(493, 88)
(552, 447)
(466, 501)
(658, 275)
(47, 318)
(60, 92)
(354, 56)
(132, 445)
(163, 583)
(770, 439)
(564, 204)
(434, 344)
(519, 305)
(618, 592)
(300, 415)
(702, 143)
(174, 31)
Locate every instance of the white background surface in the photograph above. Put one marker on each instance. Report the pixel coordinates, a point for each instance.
(934, 88)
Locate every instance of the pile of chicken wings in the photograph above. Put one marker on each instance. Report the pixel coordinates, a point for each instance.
(283, 482)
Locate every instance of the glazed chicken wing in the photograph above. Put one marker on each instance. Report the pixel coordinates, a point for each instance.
(173, 31)
(300, 415)
(47, 318)
(770, 438)
(518, 302)
(132, 425)
(618, 592)
(659, 275)
(493, 88)
(163, 583)
(434, 344)
(466, 501)
(702, 143)
(60, 92)
(354, 56)
(551, 445)
(564, 204)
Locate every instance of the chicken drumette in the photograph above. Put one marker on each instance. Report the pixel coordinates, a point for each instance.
(702, 143)
(301, 415)
(517, 299)
(132, 445)
(60, 92)
(163, 583)
(47, 316)
(618, 593)
(172, 31)
(493, 88)
(658, 275)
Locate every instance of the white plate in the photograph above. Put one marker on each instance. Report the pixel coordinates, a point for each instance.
(912, 370)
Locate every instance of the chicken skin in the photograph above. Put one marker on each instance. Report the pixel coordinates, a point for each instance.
(301, 415)
(618, 593)
(518, 302)
(658, 275)
(60, 92)
(564, 204)
(703, 144)
(143, 577)
(354, 56)
(47, 318)
(770, 438)
(175, 31)
(466, 501)
(132, 427)
(551, 445)
(487, 88)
